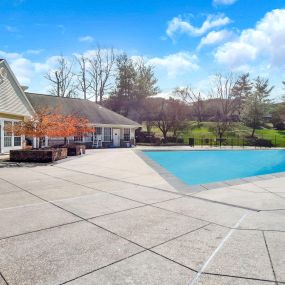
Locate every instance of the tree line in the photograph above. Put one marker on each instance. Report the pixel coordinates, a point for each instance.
(127, 86)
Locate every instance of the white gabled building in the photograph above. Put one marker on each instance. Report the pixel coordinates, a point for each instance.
(14, 108)
(111, 129)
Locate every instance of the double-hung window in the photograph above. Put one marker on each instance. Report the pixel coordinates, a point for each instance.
(107, 134)
(127, 133)
(7, 134)
(17, 138)
(98, 131)
(78, 138)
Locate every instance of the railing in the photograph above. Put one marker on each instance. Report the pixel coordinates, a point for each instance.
(235, 141)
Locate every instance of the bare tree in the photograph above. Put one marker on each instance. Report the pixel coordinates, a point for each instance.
(224, 103)
(163, 121)
(194, 99)
(83, 76)
(101, 66)
(170, 115)
(62, 79)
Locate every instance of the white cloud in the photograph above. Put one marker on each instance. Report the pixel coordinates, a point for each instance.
(224, 2)
(9, 55)
(34, 51)
(178, 25)
(176, 63)
(28, 72)
(87, 39)
(214, 37)
(265, 42)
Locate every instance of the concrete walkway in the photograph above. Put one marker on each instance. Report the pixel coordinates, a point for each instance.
(109, 218)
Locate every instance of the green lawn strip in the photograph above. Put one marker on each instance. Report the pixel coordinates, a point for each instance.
(206, 130)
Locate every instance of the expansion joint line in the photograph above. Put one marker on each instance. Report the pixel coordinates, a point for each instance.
(203, 268)
(1, 276)
(270, 259)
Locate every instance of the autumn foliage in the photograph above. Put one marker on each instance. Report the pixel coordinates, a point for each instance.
(52, 124)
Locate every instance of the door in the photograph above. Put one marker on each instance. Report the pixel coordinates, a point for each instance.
(116, 137)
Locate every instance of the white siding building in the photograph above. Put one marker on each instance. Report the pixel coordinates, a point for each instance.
(16, 105)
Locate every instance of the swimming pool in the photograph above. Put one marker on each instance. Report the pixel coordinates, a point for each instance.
(201, 167)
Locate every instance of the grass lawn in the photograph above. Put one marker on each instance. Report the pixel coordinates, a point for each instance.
(207, 131)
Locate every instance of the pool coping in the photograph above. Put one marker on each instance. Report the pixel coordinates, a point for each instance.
(183, 187)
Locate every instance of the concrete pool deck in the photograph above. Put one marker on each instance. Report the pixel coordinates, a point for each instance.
(110, 218)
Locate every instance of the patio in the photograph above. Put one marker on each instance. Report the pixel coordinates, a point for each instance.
(110, 218)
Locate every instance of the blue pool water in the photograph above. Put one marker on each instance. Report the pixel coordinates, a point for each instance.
(200, 167)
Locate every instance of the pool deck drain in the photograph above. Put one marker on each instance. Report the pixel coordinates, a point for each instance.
(111, 218)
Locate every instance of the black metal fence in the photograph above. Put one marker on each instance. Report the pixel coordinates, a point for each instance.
(235, 141)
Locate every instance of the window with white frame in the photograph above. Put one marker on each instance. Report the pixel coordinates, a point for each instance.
(98, 131)
(107, 134)
(127, 133)
(17, 138)
(7, 134)
(78, 138)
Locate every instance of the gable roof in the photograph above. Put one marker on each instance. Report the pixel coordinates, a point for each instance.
(12, 98)
(95, 113)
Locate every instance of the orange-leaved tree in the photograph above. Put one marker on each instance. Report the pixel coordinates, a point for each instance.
(53, 124)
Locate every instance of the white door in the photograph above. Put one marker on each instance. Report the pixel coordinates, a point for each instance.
(116, 137)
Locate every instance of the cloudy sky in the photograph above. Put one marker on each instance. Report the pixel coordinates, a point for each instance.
(186, 40)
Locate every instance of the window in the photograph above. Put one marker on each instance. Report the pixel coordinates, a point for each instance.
(127, 133)
(107, 134)
(17, 139)
(98, 131)
(7, 134)
(78, 139)
(42, 141)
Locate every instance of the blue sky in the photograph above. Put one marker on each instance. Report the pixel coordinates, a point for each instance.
(186, 40)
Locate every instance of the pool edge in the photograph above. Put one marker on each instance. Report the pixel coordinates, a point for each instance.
(183, 187)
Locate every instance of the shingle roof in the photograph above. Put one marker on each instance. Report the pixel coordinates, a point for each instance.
(95, 113)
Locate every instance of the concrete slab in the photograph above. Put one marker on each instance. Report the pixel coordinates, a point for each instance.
(272, 183)
(145, 268)
(2, 281)
(266, 220)
(206, 279)
(247, 187)
(62, 190)
(138, 193)
(70, 175)
(60, 254)
(208, 211)
(276, 247)
(6, 187)
(262, 201)
(244, 254)
(193, 249)
(152, 180)
(214, 185)
(17, 221)
(15, 199)
(102, 171)
(97, 204)
(148, 226)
